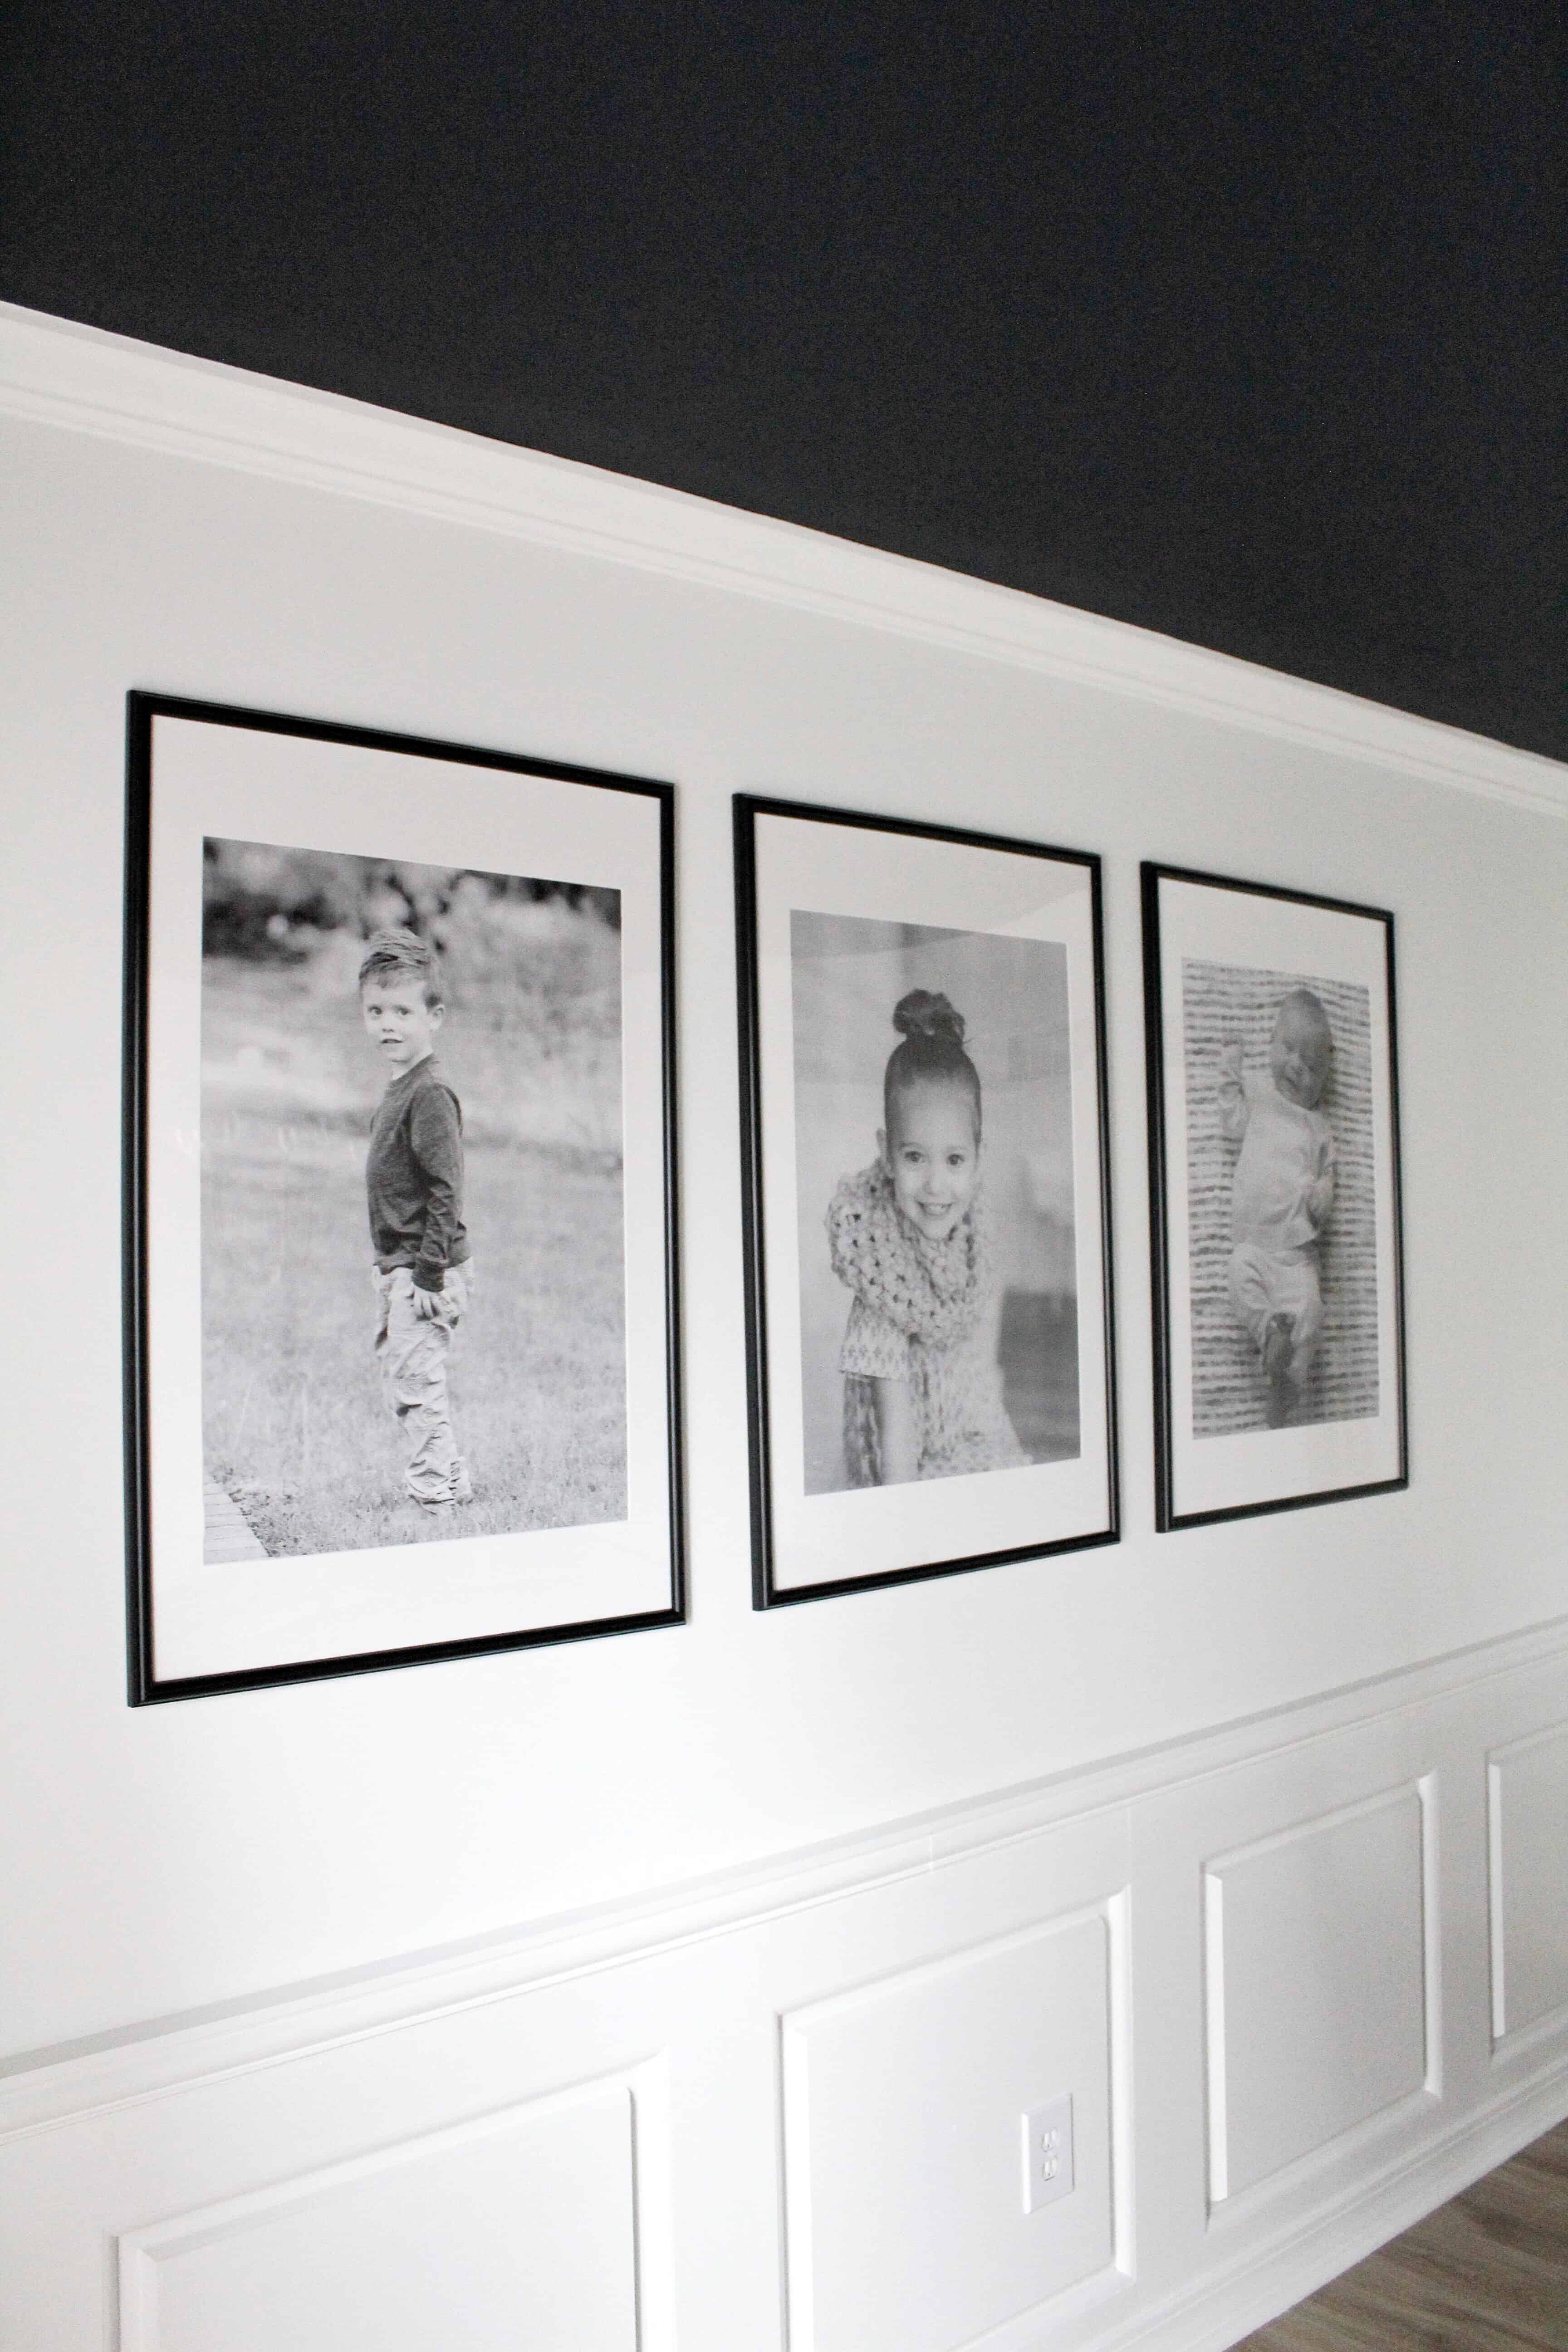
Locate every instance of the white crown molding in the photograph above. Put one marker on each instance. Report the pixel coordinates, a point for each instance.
(42, 2089)
(53, 372)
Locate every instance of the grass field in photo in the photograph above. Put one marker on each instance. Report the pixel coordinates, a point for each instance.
(295, 1430)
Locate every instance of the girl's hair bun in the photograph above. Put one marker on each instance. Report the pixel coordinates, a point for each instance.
(924, 1014)
(929, 1050)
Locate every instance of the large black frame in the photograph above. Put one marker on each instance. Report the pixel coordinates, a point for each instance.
(1167, 1516)
(766, 1591)
(145, 1686)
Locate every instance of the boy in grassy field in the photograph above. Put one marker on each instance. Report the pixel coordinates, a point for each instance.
(414, 1181)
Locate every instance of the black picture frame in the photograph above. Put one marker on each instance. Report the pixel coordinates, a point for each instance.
(1245, 1426)
(1033, 1512)
(171, 742)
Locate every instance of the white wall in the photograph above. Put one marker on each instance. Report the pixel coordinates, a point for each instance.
(173, 527)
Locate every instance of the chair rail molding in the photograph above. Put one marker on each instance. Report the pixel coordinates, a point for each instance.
(44, 2089)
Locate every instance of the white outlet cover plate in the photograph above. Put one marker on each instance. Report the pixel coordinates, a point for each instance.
(1047, 2153)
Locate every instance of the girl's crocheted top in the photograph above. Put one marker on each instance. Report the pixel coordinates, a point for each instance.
(921, 1313)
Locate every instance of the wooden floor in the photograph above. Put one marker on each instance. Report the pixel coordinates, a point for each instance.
(1487, 2273)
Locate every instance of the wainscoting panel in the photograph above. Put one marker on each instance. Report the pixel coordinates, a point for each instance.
(904, 2103)
(1528, 1822)
(1316, 1984)
(780, 2109)
(519, 2228)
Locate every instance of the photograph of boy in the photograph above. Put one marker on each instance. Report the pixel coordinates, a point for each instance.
(934, 1145)
(413, 1180)
(396, 1060)
(1280, 1199)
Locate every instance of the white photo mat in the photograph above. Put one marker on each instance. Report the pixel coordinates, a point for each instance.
(904, 877)
(1212, 922)
(241, 781)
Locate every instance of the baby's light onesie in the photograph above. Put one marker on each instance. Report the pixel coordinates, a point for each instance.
(1285, 1151)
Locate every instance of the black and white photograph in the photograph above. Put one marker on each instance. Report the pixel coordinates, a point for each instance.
(425, 1061)
(941, 1274)
(926, 1197)
(400, 1155)
(1275, 1166)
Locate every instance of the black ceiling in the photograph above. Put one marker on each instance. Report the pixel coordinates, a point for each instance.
(1243, 322)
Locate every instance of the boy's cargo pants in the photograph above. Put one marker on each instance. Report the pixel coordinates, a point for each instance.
(412, 1350)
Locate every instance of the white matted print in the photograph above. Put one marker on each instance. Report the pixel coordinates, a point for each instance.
(400, 1363)
(1275, 1172)
(929, 1290)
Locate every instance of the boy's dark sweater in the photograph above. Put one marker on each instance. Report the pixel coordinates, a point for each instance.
(414, 1176)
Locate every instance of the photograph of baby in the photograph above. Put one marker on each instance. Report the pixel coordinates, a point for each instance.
(934, 1191)
(413, 1224)
(1281, 1204)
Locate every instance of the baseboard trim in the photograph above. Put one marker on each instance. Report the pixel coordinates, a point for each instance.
(1224, 2303)
(55, 371)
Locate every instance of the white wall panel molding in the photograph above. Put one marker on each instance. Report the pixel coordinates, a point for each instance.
(45, 2089)
(903, 2103)
(1527, 1870)
(1275, 2269)
(530, 2221)
(1321, 1972)
(829, 2062)
(55, 373)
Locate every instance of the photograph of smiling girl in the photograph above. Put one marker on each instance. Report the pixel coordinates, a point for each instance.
(937, 1242)
(413, 1278)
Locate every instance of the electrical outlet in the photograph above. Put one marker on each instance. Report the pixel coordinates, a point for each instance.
(1047, 2153)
